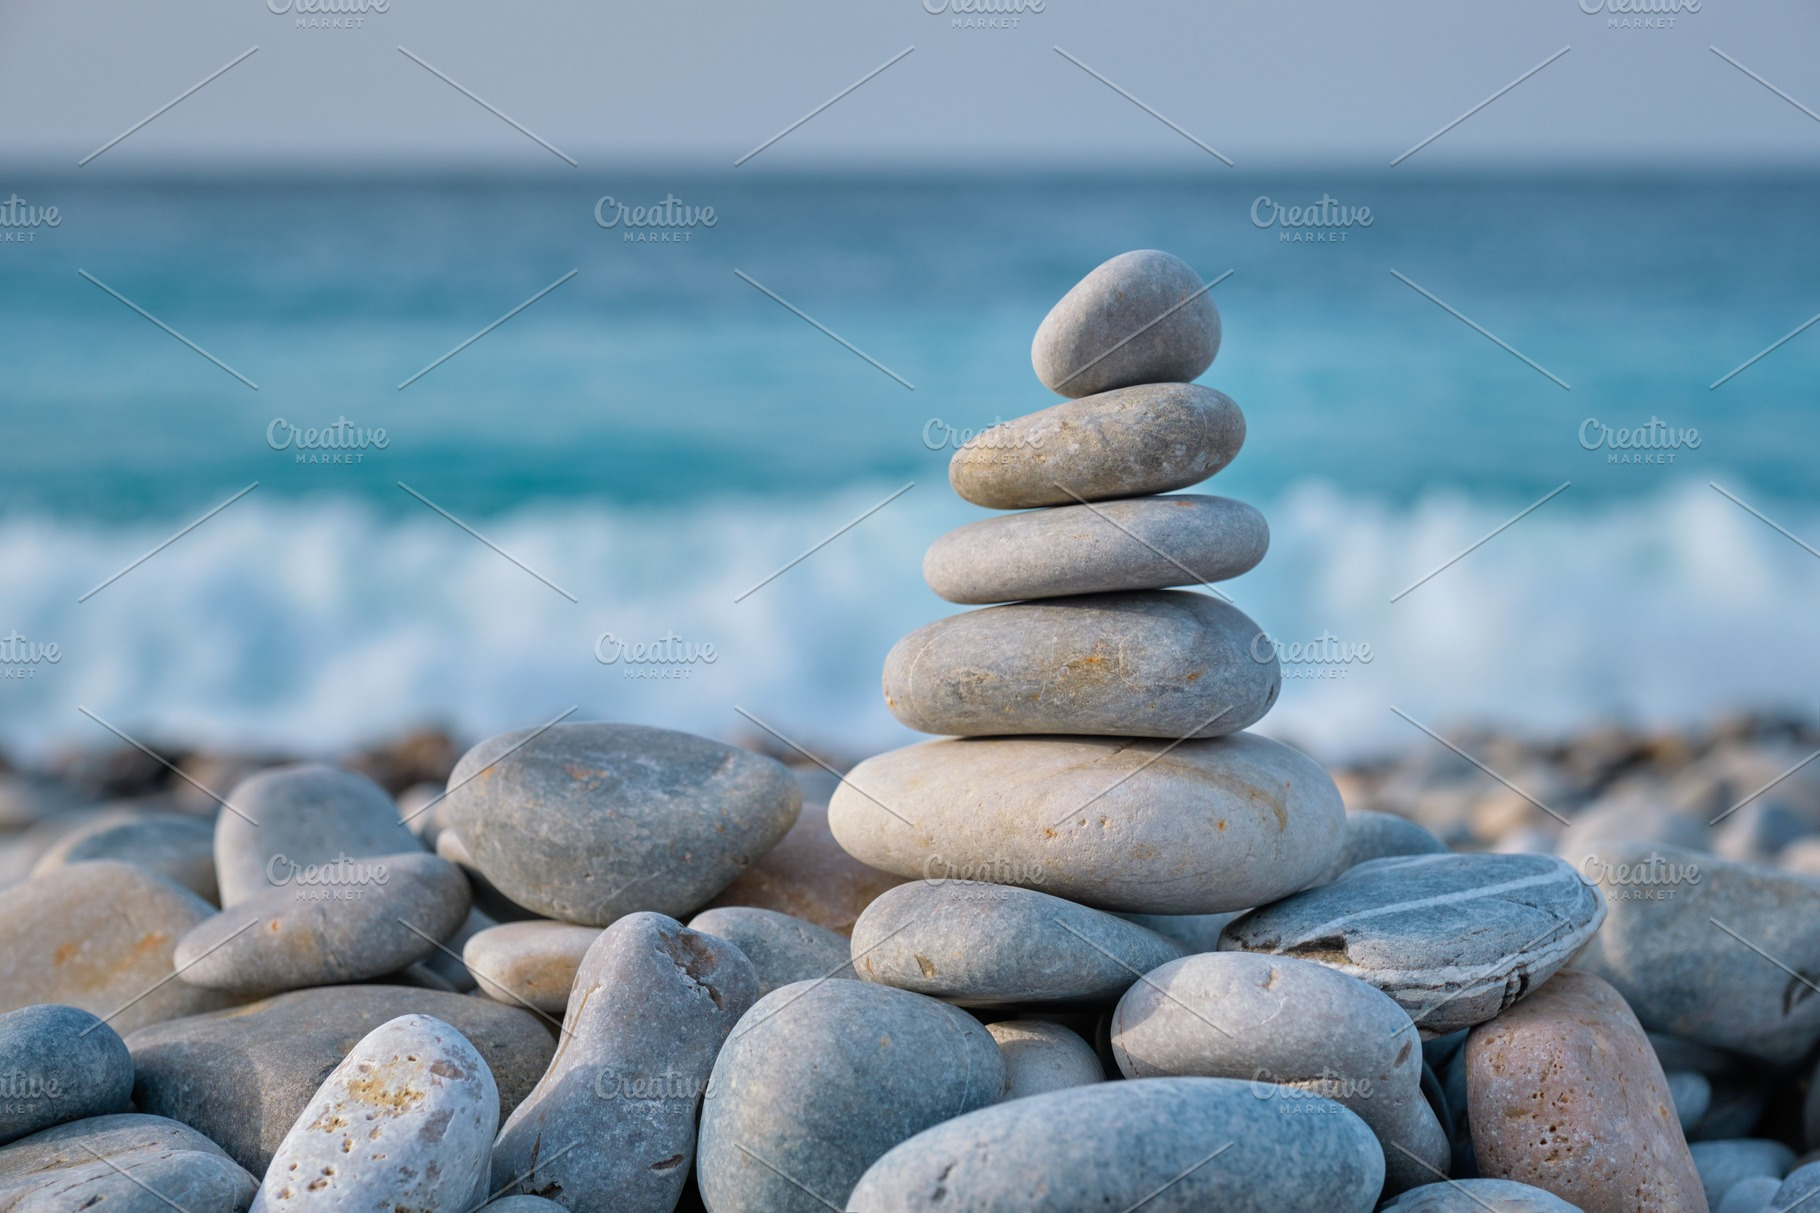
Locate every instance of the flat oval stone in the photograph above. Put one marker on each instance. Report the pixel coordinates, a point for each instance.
(988, 945)
(782, 949)
(306, 814)
(244, 1076)
(404, 1122)
(1565, 1093)
(1042, 1057)
(1476, 1196)
(820, 1079)
(375, 917)
(58, 1063)
(1158, 1143)
(126, 1163)
(1153, 663)
(808, 876)
(1296, 1031)
(588, 822)
(180, 849)
(1147, 826)
(1129, 442)
(1142, 543)
(1455, 939)
(611, 1126)
(1374, 835)
(1141, 317)
(530, 962)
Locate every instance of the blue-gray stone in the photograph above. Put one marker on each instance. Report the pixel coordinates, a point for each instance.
(292, 817)
(127, 1163)
(1374, 835)
(782, 948)
(1723, 1164)
(59, 1063)
(1476, 1196)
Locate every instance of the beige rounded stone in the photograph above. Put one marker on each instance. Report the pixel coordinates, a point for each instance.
(534, 963)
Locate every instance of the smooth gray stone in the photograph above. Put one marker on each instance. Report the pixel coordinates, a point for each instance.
(1042, 1057)
(782, 949)
(1151, 438)
(244, 1076)
(446, 961)
(821, 1078)
(1158, 1143)
(1149, 663)
(1758, 832)
(1692, 1093)
(1118, 824)
(1476, 1196)
(588, 822)
(306, 814)
(1749, 1195)
(1141, 543)
(534, 962)
(59, 1063)
(989, 945)
(1799, 1185)
(1455, 939)
(522, 1204)
(180, 849)
(1141, 317)
(404, 1122)
(1683, 974)
(1194, 932)
(1298, 1032)
(387, 912)
(1625, 820)
(611, 1127)
(1374, 835)
(1724, 1164)
(127, 1163)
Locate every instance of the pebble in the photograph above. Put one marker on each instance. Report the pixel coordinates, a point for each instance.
(58, 1063)
(782, 949)
(100, 936)
(1042, 1057)
(1206, 827)
(532, 962)
(809, 876)
(1152, 663)
(1624, 820)
(446, 961)
(588, 822)
(1142, 543)
(306, 814)
(180, 849)
(988, 945)
(1565, 1093)
(522, 1204)
(374, 917)
(126, 1163)
(1477, 1196)
(244, 1076)
(1193, 932)
(821, 1078)
(1169, 1145)
(1688, 944)
(1374, 835)
(1724, 1164)
(1749, 1195)
(1801, 1184)
(1141, 317)
(1455, 939)
(1692, 1093)
(405, 1122)
(611, 1127)
(1152, 438)
(1298, 1032)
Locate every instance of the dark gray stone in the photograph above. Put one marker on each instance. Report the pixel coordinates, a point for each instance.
(122, 1164)
(782, 949)
(59, 1063)
(1141, 317)
(1374, 835)
(306, 814)
(1749, 1195)
(1693, 1094)
(1724, 1164)
(180, 849)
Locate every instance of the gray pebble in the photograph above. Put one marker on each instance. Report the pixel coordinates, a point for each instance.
(1723, 1164)
(529, 963)
(306, 814)
(1801, 1184)
(127, 1163)
(1374, 835)
(1193, 932)
(782, 949)
(1749, 1195)
(522, 1204)
(59, 1063)
(1141, 317)
(445, 962)
(1042, 1057)
(180, 849)
(1476, 1196)
(1692, 1093)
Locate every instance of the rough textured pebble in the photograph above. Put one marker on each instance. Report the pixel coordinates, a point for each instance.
(127, 1163)
(782, 949)
(1140, 317)
(59, 1063)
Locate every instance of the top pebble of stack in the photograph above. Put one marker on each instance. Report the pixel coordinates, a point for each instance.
(1142, 317)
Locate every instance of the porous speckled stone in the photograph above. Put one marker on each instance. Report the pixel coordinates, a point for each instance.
(1724, 1164)
(1455, 939)
(782, 949)
(244, 1076)
(1141, 543)
(1042, 1056)
(1149, 663)
(1476, 1196)
(1296, 1031)
(530, 962)
(180, 849)
(1150, 438)
(385, 913)
(808, 876)
(821, 1078)
(58, 1063)
(611, 1126)
(404, 1122)
(126, 1163)
(1565, 1093)
(297, 816)
(1374, 835)
(1169, 1145)
(1140, 317)
(587, 822)
(1117, 824)
(990, 945)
